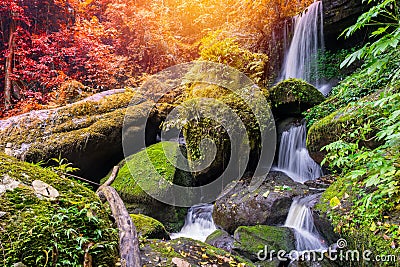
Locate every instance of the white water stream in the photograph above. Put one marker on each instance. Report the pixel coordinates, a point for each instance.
(198, 223)
(300, 218)
(293, 157)
(301, 59)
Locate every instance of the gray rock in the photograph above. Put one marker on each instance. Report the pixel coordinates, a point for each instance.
(221, 239)
(269, 204)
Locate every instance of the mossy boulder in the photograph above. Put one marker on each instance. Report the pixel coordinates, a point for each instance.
(87, 133)
(221, 239)
(344, 120)
(249, 240)
(153, 170)
(38, 230)
(187, 252)
(148, 227)
(293, 96)
(206, 127)
(268, 204)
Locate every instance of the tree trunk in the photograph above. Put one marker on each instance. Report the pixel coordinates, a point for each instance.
(128, 240)
(8, 88)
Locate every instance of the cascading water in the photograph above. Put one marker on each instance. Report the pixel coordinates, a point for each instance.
(300, 218)
(198, 223)
(293, 157)
(301, 59)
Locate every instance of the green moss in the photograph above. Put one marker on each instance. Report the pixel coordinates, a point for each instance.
(251, 239)
(38, 230)
(195, 131)
(150, 170)
(295, 90)
(148, 227)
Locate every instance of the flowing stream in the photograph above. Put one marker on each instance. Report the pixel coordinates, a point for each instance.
(300, 218)
(198, 223)
(293, 157)
(301, 59)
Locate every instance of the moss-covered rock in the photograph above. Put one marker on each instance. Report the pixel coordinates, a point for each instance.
(293, 96)
(205, 127)
(151, 171)
(268, 204)
(189, 252)
(39, 231)
(148, 227)
(332, 127)
(88, 133)
(220, 239)
(252, 239)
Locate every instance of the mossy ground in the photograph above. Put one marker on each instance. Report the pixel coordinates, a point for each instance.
(196, 253)
(39, 231)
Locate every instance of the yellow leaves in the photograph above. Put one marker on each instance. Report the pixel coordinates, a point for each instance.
(204, 256)
(334, 202)
(373, 227)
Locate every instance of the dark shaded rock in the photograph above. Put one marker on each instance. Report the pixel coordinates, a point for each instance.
(325, 227)
(187, 252)
(320, 183)
(253, 241)
(221, 239)
(338, 15)
(293, 96)
(148, 227)
(269, 204)
(88, 133)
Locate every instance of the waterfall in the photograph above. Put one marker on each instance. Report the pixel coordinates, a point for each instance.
(198, 223)
(301, 59)
(300, 218)
(293, 157)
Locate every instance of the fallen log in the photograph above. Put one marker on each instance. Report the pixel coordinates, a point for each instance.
(128, 240)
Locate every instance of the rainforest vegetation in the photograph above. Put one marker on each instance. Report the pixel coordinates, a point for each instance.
(54, 53)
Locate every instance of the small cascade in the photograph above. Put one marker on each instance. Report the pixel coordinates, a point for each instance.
(198, 223)
(301, 59)
(293, 158)
(300, 218)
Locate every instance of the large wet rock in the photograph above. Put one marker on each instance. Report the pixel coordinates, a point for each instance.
(269, 204)
(253, 241)
(293, 96)
(151, 171)
(87, 133)
(227, 147)
(64, 219)
(344, 120)
(187, 252)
